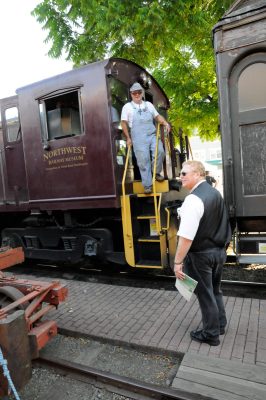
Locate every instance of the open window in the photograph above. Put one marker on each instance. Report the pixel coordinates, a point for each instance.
(61, 115)
(119, 97)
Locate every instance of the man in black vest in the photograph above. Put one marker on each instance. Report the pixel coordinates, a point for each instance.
(204, 233)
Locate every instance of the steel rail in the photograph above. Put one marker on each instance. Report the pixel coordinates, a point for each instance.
(256, 290)
(229, 287)
(244, 283)
(130, 385)
(130, 275)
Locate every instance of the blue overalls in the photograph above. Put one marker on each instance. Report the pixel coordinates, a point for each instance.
(143, 135)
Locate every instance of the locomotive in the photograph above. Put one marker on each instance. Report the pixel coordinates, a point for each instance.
(69, 187)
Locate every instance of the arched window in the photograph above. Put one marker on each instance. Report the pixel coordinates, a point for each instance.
(252, 87)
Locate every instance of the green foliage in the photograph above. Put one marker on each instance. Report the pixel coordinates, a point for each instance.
(170, 38)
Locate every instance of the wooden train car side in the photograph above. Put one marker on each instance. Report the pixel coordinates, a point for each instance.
(240, 47)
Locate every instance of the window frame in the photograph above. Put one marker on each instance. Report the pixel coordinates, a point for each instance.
(42, 102)
(7, 124)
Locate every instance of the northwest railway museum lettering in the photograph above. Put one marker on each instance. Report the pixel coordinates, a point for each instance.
(62, 151)
(65, 157)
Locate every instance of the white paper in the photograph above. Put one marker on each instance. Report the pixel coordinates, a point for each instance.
(153, 227)
(186, 286)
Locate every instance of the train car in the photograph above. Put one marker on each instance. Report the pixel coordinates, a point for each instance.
(240, 48)
(69, 190)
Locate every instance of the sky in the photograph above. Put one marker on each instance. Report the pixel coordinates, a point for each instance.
(24, 58)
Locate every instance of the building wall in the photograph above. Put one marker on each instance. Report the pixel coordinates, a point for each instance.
(210, 153)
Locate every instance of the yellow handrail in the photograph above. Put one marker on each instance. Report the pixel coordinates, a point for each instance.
(168, 220)
(166, 140)
(156, 209)
(124, 190)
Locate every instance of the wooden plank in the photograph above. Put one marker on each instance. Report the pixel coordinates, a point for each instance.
(235, 369)
(10, 256)
(192, 387)
(221, 379)
(226, 383)
(247, 34)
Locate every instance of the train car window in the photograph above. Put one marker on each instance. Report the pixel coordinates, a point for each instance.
(252, 87)
(12, 124)
(61, 116)
(119, 97)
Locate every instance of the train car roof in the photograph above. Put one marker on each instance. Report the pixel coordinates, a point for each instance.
(240, 10)
(103, 64)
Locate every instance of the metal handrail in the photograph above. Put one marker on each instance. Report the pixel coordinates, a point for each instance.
(159, 228)
(124, 189)
(166, 141)
(166, 228)
(156, 208)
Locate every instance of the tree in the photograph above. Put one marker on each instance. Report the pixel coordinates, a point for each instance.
(172, 39)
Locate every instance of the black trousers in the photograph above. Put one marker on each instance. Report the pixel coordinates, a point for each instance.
(206, 268)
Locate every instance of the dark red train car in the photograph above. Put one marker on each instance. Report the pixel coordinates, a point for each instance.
(63, 159)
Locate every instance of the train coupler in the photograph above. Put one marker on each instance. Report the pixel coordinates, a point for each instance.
(40, 335)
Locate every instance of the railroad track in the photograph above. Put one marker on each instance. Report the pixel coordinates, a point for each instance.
(256, 290)
(136, 279)
(129, 387)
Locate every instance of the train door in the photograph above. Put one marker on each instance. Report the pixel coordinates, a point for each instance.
(248, 111)
(118, 97)
(13, 151)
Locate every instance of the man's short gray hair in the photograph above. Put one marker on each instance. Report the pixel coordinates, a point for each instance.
(197, 166)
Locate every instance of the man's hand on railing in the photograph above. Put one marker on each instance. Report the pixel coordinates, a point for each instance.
(129, 142)
(167, 127)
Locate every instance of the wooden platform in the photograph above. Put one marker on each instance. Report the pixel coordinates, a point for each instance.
(220, 379)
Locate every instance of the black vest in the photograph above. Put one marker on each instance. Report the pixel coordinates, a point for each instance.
(214, 228)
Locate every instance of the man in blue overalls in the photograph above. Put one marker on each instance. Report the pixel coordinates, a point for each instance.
(138, 118)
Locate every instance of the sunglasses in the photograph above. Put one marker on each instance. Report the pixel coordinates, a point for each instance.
(136, 92)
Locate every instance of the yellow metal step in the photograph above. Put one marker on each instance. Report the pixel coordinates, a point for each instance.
(146, 216)
(149, 264)
(149, 239)
(148, 195)
(161, 187)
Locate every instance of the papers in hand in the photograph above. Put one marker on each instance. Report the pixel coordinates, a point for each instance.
(186, 286)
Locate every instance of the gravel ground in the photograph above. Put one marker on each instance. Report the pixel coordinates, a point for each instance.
(249, 273)
(152, 368)
(48, 385)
